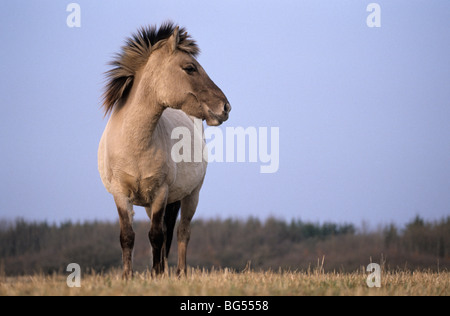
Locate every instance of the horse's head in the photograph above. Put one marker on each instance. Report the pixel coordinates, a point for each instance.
(180, 82)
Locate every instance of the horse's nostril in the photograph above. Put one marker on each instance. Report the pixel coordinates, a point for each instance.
(227, 107)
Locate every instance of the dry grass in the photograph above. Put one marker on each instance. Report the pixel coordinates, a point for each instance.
(227, 283)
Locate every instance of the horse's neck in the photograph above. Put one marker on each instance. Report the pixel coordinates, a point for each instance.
(140, 118)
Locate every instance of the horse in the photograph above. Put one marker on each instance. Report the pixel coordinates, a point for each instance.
(155, 85)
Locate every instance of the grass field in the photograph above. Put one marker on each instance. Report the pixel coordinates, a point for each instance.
(227, 283)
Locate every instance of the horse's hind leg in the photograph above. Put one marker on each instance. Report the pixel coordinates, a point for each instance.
(188, 207)
(170, 218)
(125, 209)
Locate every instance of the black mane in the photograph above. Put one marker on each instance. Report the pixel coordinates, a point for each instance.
(134, 55)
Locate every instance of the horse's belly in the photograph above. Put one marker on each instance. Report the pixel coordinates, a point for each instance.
(189, 176)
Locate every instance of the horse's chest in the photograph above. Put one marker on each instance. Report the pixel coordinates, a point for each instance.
(140, 190)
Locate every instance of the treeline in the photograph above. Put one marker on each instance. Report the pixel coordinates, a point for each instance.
(30, 247)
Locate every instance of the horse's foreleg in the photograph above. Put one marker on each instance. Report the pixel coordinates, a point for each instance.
(188, 207)
(157, 234)
(125, 209)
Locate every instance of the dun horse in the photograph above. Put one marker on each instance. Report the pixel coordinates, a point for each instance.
(156, 85)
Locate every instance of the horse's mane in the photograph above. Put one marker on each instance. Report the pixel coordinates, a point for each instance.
(134, 55)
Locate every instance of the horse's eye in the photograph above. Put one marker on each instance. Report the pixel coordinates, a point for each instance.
(190, 69)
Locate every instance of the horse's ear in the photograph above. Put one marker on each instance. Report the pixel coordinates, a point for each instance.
(174, 39)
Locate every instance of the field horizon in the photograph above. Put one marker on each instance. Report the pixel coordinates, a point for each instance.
(27, 248)
(231, 258)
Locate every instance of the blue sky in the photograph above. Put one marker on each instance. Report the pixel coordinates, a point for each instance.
(363, 112)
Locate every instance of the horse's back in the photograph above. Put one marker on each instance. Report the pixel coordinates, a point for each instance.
(102, 167)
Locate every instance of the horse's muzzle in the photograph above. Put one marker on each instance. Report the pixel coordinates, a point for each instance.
(217, 119)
